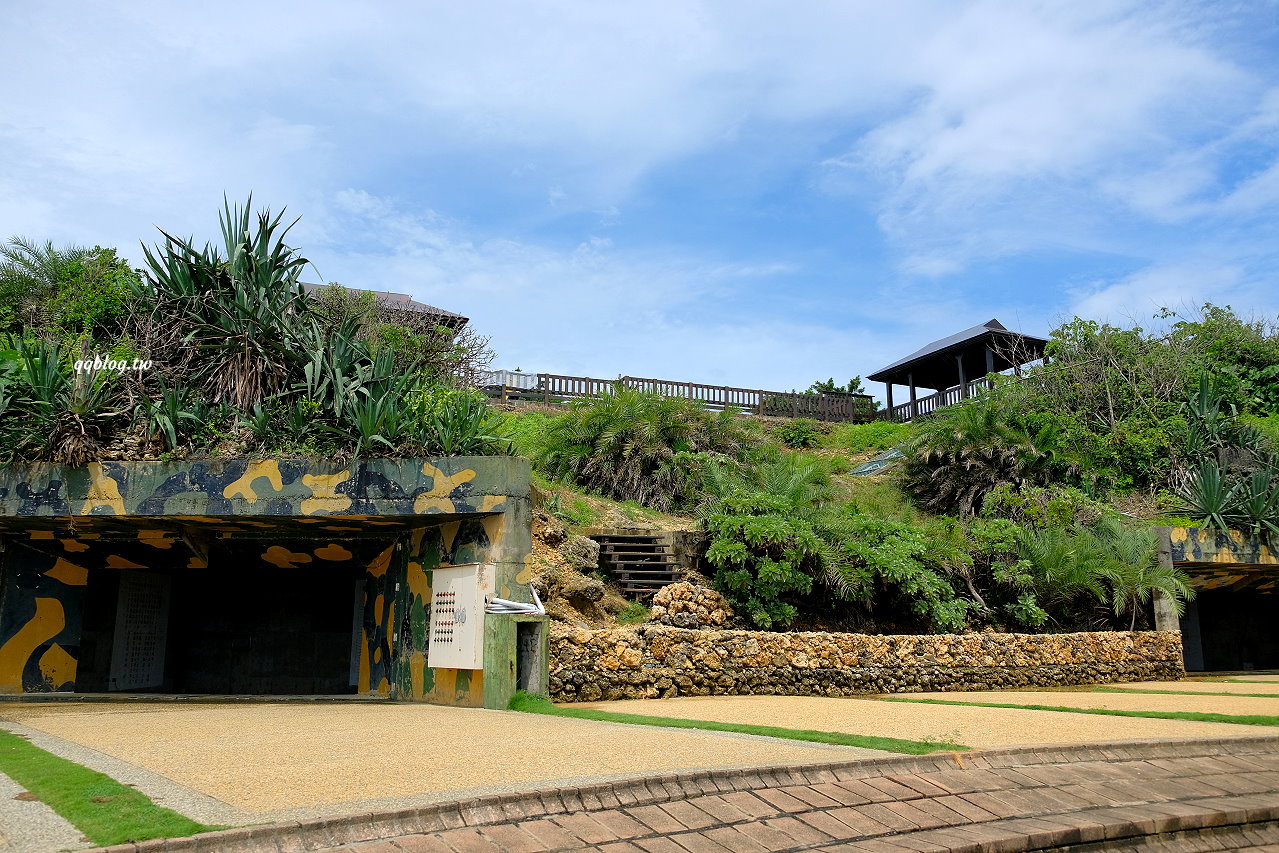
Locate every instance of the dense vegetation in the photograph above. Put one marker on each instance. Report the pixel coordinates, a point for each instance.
(220, 350)
(1027, 507)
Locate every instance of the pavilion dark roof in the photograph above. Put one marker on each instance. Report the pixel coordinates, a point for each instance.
(934, 366)
(404, 302)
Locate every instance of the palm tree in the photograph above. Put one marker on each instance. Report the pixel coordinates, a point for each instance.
(964, 452)
(1133, 571)
(30, 274)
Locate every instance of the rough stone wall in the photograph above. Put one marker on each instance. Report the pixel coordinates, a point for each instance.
(650, 661)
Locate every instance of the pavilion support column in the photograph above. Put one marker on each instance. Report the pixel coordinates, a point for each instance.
(888, 392)
(914, 401)
(963, 378)
(990, 366)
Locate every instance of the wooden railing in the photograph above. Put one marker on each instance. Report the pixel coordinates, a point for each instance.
(922, 406)
(827, 407)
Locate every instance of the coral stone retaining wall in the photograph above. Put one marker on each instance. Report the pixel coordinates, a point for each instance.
(651, 661)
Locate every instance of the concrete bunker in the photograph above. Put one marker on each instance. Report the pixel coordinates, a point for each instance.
(268, 577)
(1233, 623)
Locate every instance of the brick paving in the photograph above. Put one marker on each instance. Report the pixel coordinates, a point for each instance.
(1137, 797)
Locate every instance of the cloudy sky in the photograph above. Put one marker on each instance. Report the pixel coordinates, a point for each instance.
(752, 193)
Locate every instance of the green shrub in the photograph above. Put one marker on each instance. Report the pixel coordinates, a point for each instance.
(764, 557)
(799, 432)
(632, 445)
(963, 452)
(866, 438)
(634, 613)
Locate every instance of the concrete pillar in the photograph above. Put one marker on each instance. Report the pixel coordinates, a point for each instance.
(1166, 618)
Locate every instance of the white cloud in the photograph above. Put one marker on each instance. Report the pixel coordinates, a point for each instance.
(1174, 286)
(512, 161)
(1023, 113)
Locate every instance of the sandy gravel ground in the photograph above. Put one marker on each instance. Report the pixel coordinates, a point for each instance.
(269, 758)
(1116, 701)
(1272, 678)
(965, 725)
(1204, 687)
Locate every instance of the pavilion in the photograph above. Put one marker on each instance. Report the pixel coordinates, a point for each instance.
(952, 366)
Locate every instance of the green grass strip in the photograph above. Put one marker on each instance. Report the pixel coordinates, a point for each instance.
(99, 806)
(1239, 719)
(1186, 693)
(533, 704)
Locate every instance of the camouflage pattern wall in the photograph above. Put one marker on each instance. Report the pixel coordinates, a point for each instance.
(389, 522)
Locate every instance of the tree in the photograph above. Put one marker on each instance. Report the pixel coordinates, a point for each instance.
(854, 386)
(62, 293)
(964, 452)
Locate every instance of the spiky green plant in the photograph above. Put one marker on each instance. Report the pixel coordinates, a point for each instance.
(245, 312)
(1133, 573)
(1207, 495)
(963, 452)
(633, 445)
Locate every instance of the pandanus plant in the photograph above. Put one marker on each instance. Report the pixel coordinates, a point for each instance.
(244, 308)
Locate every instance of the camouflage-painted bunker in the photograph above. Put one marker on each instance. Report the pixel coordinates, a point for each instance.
(268, 577)
(1233, 623)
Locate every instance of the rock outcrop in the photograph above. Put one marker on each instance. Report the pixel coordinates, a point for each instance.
(684, 605)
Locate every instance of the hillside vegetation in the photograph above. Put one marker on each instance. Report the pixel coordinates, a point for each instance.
(219, 350)
(1028, 507)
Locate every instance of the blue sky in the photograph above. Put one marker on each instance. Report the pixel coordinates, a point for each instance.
(759, 194)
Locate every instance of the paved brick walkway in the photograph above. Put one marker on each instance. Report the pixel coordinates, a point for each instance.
(1151, 796)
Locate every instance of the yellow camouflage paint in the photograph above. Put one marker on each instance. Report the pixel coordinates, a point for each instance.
(103, 491)
(492, 502)
(268, 468)
(277, 555)
(448, 533)
(324, 496)
(381, 563)
(156, 538)
(418, 587)
(494, 528)
(527, 573)
(417, 674)
(75, 546)
(49, 621)
(333, 552)
(57, 667)
(366, 666)
(68, 573)
(442, 485)
(114, 561)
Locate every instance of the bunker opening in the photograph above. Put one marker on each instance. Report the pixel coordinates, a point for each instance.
(385, 600)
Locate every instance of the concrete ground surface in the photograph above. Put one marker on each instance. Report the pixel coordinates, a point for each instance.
(29, 826)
